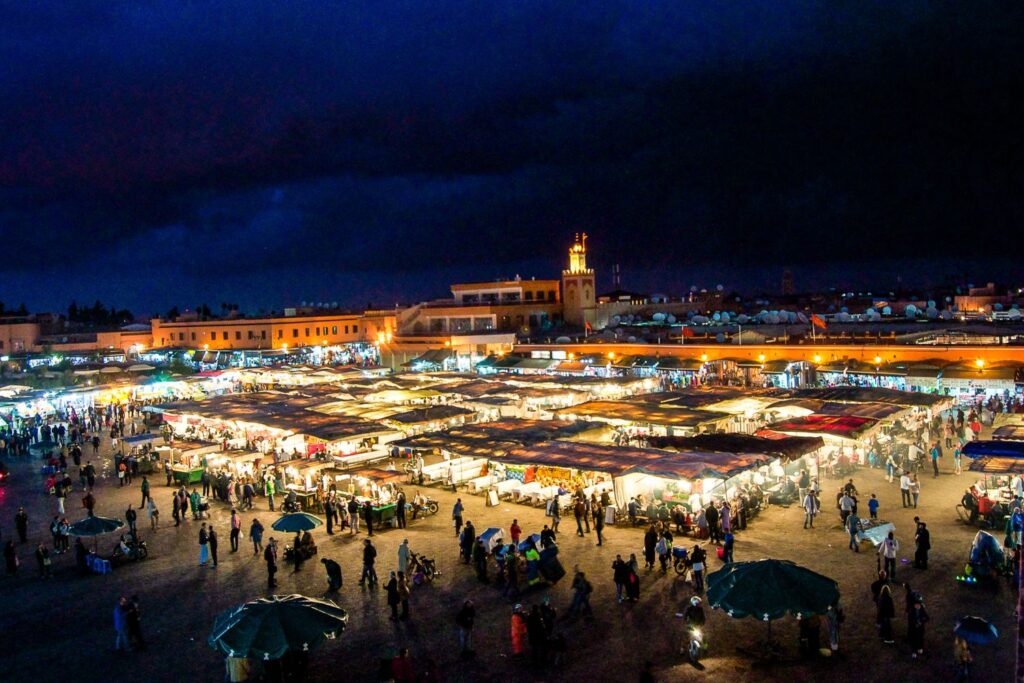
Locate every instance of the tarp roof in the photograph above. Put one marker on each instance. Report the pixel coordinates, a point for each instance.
(875, 411)
(850, 394)
(789, 447)
(1009, 433)
(844, 427)
(487, 439)
(619, 460)
(643, 413)
(993, 465)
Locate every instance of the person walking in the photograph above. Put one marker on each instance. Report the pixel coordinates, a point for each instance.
(888, 549)
(515, 531)
(329, 514)
(957, 468)
(935, 453)
(579, 510)
(890, 468)
(21, 524)
(698, 557)
(915, 489)
(121, 626)
(810, 506)
(334, 579)
(212, 540)
(873, 507)
(368, 517)
(917, 617)
(620, 575)
(270, 556)
(400, 510)
(905, 489)
(403, 595)
(835, 617)
(711, 515)
(962, 659)
(599, 524)
(145, 491)
(393, 600)
(131, 517)
(353, 513)
(256, 535)
(480, 561)
(154, 514)
(175, 509)
(664, 550)
(269, 490)
(11, 558)
(236, 529)
(133, 622)
(369, 574)
(204, 549)
(519, 632)
(464, 620)
(403, 557)
(853, 528)
(457, 510)
(885, 613)
(581, 590)
(194, 499)
(650, 547)
(922, 544)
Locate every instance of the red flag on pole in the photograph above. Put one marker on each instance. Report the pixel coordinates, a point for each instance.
(818, 322)
(587, 327)
(687, 332)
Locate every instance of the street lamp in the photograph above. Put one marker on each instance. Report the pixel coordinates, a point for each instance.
(703, 358)
(878, 360)
(980, 363)
(817, 359)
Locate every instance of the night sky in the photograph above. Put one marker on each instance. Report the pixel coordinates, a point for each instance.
(170, 153)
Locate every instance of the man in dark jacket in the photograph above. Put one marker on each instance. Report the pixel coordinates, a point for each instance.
(21, 524)
(620, 574)
(923, 545)
(270, 555)
(368, 516)
(711, 515)
(369, 574)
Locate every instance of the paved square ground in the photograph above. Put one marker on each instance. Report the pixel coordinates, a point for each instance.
(61, 628)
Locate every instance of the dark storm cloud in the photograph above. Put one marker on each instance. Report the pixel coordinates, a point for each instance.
(364, 145)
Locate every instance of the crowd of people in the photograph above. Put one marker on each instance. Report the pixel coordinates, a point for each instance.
(517, 568)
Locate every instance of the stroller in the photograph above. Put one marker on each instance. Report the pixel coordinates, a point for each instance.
(986, 561)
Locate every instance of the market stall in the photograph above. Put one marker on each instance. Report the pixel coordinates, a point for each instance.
(187, 459)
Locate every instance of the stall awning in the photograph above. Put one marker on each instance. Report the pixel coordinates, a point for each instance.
(1009, 433)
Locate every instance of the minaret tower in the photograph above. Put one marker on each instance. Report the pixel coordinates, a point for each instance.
(579, 298)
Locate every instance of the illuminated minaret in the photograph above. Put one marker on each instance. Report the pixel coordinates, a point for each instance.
(579, 299)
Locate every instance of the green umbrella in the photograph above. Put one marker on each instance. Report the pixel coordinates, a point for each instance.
(94, 526)
(296, 521)
(769, 589)
(268, 627)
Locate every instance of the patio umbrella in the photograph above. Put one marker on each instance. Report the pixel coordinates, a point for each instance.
(769, 589)
(268, 627)
(976, 630)
(94, 526)
(296, 521)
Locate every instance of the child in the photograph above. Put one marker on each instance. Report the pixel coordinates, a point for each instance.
(873, 506)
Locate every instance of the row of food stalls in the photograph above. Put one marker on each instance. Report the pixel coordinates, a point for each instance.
(513, 459)
(956, 379)
(22, 403)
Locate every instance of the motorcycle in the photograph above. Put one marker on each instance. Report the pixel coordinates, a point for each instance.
(697, 645)
(429, 507)
(424, 570)
(681, 561)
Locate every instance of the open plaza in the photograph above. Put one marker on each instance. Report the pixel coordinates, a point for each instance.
(620, 464)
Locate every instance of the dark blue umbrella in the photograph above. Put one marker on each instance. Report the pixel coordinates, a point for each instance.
(296, 521)
(976, 630)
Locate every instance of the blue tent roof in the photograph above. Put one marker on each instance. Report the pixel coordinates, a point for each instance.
(999, 449)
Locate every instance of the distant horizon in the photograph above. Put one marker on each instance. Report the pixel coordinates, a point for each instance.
(382, 287)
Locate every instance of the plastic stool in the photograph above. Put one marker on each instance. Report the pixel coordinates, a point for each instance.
(102, 566)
